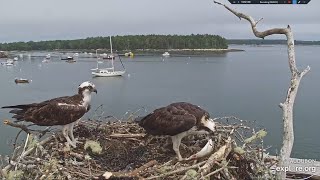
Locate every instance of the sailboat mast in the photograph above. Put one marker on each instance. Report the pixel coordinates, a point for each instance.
(97, 59)
(111, 54)
(110, 44)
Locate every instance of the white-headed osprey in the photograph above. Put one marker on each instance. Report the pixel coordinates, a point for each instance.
(63, 111)
(178, 120)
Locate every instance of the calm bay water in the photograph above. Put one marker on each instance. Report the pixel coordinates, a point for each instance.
(249, 85)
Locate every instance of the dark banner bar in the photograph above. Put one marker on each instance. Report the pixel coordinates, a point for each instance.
(269, 1)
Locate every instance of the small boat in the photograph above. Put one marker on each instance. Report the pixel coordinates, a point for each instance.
(166, 54)
(106, 56)
(9, 62)
(128, 54)
(21, 80)
(48, 56)
(15, 58)
(67, 58)
(71, 61)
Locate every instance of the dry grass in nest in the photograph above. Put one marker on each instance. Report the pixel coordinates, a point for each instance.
(125, 152)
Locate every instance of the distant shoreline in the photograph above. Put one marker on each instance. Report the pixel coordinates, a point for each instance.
(184, 52)
(149, 52)
(202, 50)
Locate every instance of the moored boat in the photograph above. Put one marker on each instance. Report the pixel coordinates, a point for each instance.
(21, 80)
(166, 54)
(9, 62)
(67, 58)
(71, 61)
(108, 72)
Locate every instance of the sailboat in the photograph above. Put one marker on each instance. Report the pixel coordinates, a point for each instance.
(107, 72)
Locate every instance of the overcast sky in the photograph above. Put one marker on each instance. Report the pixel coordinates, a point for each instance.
(24, 20)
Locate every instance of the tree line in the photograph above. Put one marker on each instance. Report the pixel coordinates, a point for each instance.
(129, 42)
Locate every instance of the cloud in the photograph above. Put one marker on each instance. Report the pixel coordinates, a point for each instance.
(22, 20)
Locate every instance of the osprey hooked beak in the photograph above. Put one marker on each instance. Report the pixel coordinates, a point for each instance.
(94, 90)
(209, 123)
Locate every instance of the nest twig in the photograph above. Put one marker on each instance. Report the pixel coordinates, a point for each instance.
(125, 152)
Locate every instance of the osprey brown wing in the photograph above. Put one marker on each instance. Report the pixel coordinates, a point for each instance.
(58, 111)
(168, 121)
(54, 114)
(192, 109)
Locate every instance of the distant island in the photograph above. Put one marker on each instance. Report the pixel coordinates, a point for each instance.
(194, 44)
(268, 42)
(125, 43)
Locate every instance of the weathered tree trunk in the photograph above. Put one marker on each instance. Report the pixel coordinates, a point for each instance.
(296, 76)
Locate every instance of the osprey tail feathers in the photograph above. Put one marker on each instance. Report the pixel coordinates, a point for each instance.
(22, 106)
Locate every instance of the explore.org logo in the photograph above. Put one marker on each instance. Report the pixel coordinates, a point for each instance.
(304, 166)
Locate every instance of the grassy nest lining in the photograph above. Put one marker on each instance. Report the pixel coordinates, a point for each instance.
(122, 150)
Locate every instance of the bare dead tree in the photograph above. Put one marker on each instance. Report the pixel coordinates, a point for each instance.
(296, 76)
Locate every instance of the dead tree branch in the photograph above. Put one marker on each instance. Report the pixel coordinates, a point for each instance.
(29, 151)
(21, 126)
(296, 76)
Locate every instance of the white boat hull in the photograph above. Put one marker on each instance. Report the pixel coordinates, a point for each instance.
(108, 73)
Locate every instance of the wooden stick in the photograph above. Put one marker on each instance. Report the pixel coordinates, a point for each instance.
(117, 135)
(134, 173)
(176, 171)
(21, 126)
(29, 151)
(143, 167)
(77, 155)
(218, 170)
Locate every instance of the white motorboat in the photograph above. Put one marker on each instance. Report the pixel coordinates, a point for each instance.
(47, 58)
(67, 58)
(166, 54)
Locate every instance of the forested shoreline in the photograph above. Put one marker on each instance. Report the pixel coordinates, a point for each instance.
(129, 42)
(144, 42)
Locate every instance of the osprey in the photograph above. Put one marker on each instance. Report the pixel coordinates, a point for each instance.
(63, 111)
(178, 120)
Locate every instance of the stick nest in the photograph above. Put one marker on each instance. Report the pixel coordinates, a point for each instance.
(121, 150)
